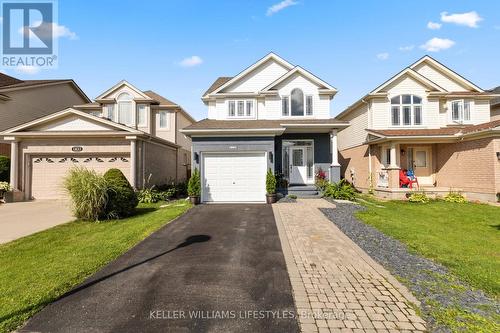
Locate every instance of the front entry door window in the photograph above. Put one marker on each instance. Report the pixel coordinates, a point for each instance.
(298, 172)
(421, 164)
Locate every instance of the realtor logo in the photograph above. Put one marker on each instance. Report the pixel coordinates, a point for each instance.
(28, 33)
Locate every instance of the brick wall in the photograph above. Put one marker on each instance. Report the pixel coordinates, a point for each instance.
(468, 165)
(356, 160)
(5, 149)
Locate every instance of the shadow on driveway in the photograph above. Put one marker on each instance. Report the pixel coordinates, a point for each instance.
(218, 268)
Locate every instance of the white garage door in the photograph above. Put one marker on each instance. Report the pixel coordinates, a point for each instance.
(47, 173)
(234, 177)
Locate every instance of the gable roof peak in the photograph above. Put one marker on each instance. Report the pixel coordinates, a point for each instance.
(447, 71)
(269, 56)
(118, 85)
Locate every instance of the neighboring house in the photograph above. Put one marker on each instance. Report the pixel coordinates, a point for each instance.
(272, 115)
(429, 119)
(125, 128)
(24, 100)
(495, 104)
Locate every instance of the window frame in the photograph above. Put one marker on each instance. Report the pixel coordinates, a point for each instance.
(461, 112)
(303, 103)
(402, 109)
(138, 108)
(287, 99)
(121, 102)
(167, 122)
(309, 105)
(235, 103)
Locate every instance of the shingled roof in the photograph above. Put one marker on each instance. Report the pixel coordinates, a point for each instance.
(259, 124)
(218, 83)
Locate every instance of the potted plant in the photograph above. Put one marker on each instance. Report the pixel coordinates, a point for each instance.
(270, 187)
(194, 187)
(4, 187)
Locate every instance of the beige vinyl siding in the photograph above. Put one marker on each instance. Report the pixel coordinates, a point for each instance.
(32, 103)
(355, 134)
(439, 78)
(167, 133)
(182, 140)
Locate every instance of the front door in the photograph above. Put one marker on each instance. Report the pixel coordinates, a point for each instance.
(422, 165)
(298, 172)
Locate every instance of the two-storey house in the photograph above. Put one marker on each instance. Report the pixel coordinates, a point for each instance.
(126, 128)
(427, 119)
(272, 115)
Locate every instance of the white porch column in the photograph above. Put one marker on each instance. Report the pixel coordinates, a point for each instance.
(334, 166)
(334, 148)
(14, 165)
(394, 156)
(133, 162)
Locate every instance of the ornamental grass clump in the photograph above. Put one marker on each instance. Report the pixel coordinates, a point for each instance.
(89, 193)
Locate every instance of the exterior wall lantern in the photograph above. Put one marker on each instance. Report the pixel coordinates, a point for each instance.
(271, 157)
(196, 157)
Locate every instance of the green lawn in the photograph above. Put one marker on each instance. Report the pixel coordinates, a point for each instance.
(463, 237)
(37, 269)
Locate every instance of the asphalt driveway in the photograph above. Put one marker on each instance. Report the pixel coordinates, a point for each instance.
(218, 268)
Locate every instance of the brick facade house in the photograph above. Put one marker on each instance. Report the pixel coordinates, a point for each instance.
(430, 120)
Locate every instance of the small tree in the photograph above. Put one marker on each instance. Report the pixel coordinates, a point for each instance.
(194, 184)
(270, 182)
(122, 199)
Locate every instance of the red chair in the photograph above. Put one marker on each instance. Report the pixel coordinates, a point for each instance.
(406, 181)
(403, 179)
(412, 178)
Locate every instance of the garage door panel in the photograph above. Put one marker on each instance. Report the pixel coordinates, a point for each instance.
(234, 177)
(48, 172)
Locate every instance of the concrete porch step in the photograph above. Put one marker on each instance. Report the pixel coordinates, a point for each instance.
(302, 191)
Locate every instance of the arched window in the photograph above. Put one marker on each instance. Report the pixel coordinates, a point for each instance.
(125, 108)
(297, 97)
(406, 110)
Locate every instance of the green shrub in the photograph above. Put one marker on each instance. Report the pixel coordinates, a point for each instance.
(89, 193)
(4, 187)
(150, 195)
(455, 197)
(341, 190)
(419, 197)
(194, 184)
(122, 199)
(292, 196)
(4, 168)
(270, 182)
(321, 184)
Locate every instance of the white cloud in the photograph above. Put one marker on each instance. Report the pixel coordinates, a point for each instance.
(191, 61)
(406, 48)
(469, 19)
(437, 44)
(434, 25)
(27, 69)
(280, 6)
(58, 31)
(383, 56)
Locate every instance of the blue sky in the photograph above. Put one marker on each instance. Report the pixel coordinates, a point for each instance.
(353, 45)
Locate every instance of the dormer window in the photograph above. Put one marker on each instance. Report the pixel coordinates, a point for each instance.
(297, 97)
(406, 110)
(460, 110)
(125, 101)
(240, 109)
(297, 104)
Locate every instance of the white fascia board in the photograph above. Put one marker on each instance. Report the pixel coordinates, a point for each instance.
(118, 85)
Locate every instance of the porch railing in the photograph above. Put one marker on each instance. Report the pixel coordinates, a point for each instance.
(382, 178)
